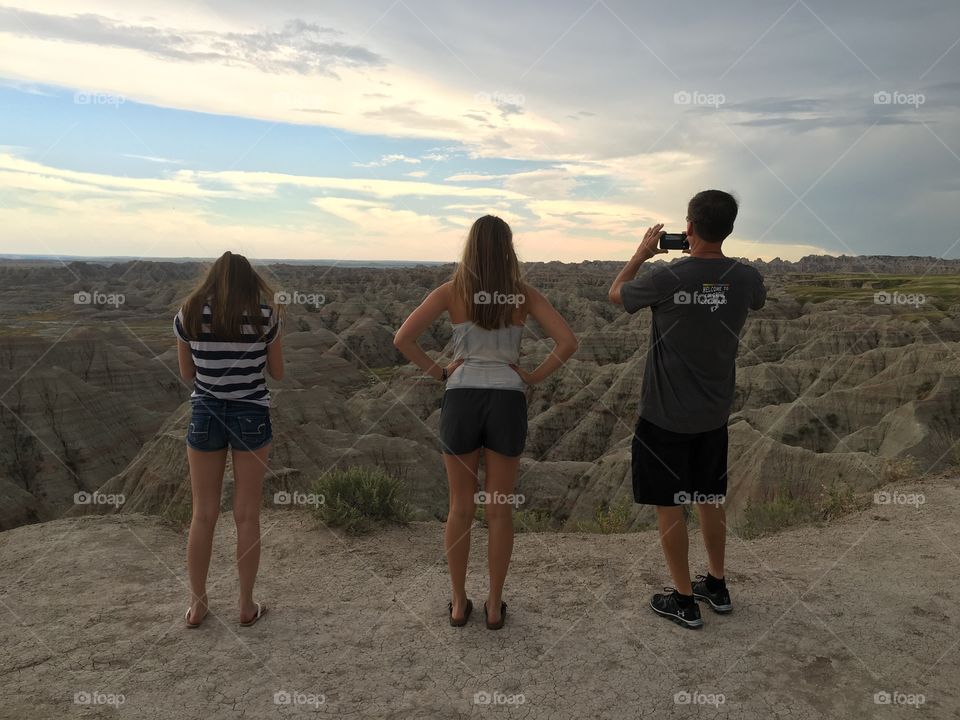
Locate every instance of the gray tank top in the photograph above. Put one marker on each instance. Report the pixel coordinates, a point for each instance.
(487, 356)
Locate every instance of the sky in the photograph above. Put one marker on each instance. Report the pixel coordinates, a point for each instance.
(379, 130)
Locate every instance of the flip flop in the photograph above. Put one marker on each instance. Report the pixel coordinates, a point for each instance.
(503, 617)
(190, 625)
(466, 615)
(261, 611)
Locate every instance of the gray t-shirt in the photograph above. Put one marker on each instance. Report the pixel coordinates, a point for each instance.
(699, 307)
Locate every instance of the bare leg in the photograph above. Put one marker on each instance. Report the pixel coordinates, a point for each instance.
(713, 526)
(673, 537)
(462, 477)
(206, 482)
(500, 480)
(248, 471)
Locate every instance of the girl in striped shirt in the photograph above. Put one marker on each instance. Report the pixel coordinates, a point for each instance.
(226, 337)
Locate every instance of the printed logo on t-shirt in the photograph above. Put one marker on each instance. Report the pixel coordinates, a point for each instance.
(712, 294)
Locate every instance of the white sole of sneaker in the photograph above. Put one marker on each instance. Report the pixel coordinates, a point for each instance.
(692, 624)
(722, 609)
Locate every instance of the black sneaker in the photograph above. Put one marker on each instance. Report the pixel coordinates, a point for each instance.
(719, 600)
(666, 605)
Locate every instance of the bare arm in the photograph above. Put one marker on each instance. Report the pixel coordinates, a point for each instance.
(648, 248)
(185, 359)
(557, 329)
(275, 358)
(435, 304)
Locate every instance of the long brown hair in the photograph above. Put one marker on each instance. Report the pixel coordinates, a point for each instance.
(489, 271)
(234, 291)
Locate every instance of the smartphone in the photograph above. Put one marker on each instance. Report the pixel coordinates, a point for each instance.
(674, 241)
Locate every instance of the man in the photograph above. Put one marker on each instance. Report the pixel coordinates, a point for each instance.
(699, 306)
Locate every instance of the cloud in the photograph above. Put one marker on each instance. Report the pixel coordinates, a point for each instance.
(298, 46)
(177, 215)
(154, 159)
(803, 114)
(107, 229)
(304, 73)
(267, 182)
(28, 88)
(19, 173)
(598, 122)
(407, 114)
(473, 177)
(597, 216)
(389, 160)
(370, 219)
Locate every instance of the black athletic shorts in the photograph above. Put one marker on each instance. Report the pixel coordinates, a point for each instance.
(471, 418)
(671, 468)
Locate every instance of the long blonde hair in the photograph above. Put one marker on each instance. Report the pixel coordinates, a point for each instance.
(489, 273)
(234, 291)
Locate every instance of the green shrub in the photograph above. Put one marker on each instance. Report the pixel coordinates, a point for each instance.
(533, 521)
(177, 515)
(359, 498)
(523, 520)
(837, 500)
(774, 515)
(905, 468)
(786, 510)
(608, 519)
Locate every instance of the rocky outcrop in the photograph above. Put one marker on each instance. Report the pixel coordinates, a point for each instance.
(830, 385)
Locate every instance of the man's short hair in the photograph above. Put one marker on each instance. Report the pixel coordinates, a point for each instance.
(712, 213)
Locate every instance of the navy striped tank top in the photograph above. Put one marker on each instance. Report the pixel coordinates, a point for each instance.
(231, 370)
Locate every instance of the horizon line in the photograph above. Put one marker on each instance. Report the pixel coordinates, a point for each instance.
(189, 258)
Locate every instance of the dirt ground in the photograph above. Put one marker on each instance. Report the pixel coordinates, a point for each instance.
(826, 619)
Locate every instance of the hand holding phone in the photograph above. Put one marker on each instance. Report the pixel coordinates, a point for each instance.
(648, 246)
(674, 241)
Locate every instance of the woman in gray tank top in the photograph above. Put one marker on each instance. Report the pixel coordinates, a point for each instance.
(484, 406)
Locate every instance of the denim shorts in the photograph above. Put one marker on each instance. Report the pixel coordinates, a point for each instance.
(215, 424)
